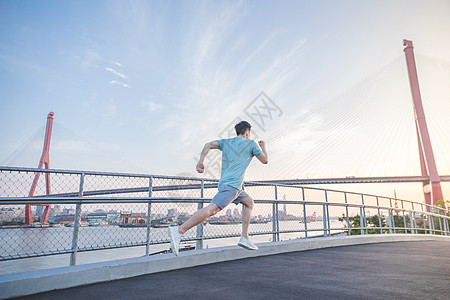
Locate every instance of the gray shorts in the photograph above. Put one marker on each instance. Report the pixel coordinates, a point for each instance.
(228, 194)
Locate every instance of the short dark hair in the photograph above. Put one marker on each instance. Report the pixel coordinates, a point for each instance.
(242, 127)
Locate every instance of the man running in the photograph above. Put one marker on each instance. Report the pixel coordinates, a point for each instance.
(237, 154)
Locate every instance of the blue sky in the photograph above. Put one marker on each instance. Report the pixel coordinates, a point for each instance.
(140, 86)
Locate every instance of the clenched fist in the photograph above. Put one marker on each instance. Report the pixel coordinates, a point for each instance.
(200, 168)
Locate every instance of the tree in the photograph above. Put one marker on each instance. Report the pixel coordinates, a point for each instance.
(354, 223)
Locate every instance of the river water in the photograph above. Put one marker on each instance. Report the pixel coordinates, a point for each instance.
(30, 240)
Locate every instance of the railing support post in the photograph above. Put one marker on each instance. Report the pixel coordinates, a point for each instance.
(199, 242)
(425, 229)
(404, 218)
(447, 230)
(379, 216)
(346, 214)
(274, 223)
(413, 218)
(361, 221)
(392, 216)
(364, 214)
(304, 213)
(277, 215)
(444, 221)
(325, 217)
(328, 214)
(76, 225)
(149, 216)
(431, 219)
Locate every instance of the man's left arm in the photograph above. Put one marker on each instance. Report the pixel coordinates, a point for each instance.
(264, 157)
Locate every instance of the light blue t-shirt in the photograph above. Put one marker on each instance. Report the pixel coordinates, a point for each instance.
(237, 153)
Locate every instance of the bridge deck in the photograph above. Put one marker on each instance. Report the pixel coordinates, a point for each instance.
(417, 269)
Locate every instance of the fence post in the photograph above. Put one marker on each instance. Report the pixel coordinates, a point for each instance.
(447, 229)
(413, 217)
(76, 225)
(361, 221)
(274, 223)
(304, 213)
(440, 223)
(277, 215)
(444, 221)
(325, 217)
(328, 213)
(199, 241)
(346, 213)
(379, 216)
(149, 213)
(391, 217)
(444, 224)
(404, 218)
(425, 229)
(431, 218)
(364, 213)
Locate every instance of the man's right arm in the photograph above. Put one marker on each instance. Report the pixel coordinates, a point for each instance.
(210, 145)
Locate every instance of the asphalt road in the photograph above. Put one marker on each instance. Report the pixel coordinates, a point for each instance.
(400, 270)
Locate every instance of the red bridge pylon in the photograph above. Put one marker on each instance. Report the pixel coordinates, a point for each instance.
(432, 190)
(44, 162)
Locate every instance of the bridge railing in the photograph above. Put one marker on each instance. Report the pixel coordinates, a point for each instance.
(99, 210)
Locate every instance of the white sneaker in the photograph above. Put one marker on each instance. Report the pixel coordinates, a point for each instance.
(245, 243)
(175, 238)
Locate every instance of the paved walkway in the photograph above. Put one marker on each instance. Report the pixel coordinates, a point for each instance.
(400, 270)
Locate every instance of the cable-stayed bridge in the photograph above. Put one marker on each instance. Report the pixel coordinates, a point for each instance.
(90, 211)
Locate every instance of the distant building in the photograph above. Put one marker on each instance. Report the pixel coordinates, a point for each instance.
(133, 218)
(68, 220)
(61, 216)
(172, 212)
(39, 211)
(11, 214)
(96, 217)
(68, 211)
(55, 210)
(113, 218)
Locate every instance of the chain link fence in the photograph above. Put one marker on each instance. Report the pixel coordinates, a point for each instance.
(79, 211)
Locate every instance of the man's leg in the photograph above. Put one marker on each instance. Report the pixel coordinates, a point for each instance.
(246, 215)
(245, 242)
(199, 216)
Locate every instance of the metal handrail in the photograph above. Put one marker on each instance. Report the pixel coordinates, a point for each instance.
(246, 183)
(82, 197)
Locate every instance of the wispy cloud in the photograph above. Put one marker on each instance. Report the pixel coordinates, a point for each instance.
(115, 72)
(150, 106)
(119, 83)
(118, 64)
(90, 58)
(214, 29)
(229, 68)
